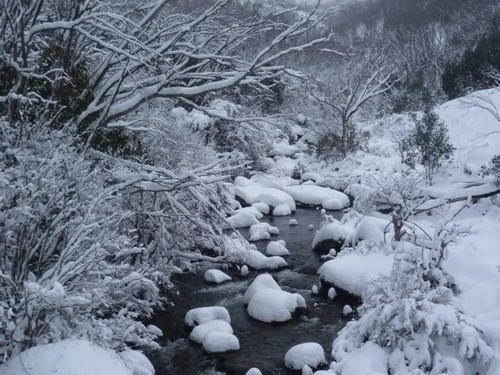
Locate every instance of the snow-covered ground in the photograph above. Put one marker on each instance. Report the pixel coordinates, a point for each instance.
(472, 259)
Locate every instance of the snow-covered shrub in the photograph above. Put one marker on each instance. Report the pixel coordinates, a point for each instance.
(67, 260)
(428, 144)
(411, 317)
(493, 168)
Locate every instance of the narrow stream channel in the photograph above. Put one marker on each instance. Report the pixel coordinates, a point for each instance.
(262, 345)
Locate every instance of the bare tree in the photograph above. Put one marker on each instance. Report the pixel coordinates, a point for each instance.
(347, 89)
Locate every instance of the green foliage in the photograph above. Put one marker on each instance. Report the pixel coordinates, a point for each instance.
(331, 144)
(473, 71)
(415, 97)
(428, 144)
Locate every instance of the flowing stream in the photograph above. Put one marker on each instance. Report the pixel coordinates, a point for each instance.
(262, 345)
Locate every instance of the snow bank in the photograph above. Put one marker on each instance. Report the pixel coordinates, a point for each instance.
(74, 357)
(473, 130)
(199, 332)
(351, 272)
(316, 195)
(202, 315)
(269, 305)
(220, 342)
(216, 276)
(307, 354)
(370, 359)
(276, 248)
(260, 282)
(284, 149)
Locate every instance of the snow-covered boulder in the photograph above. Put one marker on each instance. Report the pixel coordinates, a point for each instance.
(216, 276)
(75, 357)
(244, 270)
(316, 195)
(241, 219)
(259, 261)
(351, 272)
(262, 231)
(202, 315)
(370, 359)
(282, 210)
(263, 281)
(199, 332)
(293, 222)
(276, 248)
(269, 305)
(284, 149)
(253, 371)
(220, 342)
(271, 181)
(252, 211)
(331, 234)
(261, 207)
(274, 197)
(307, 354)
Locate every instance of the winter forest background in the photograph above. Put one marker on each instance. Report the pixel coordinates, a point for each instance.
(123, 125)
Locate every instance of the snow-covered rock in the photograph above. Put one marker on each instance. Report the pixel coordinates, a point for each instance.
(332, 293)
(216, 276)
(220, 342)
(244, 270)
(253, 371)
(262, 231)
(308, 353)
(316, 195)
(293, 222)
(202, 315)
(259, 261)
(74, 357)
(199, 332)
(314, 289)
(282, 210)
(331, 232)
(261, 207)
(370, 359)
(263, 281)
(284, 165)
(241, 220)
(346, 310)
(274, 197)
(276, 248)
(272, 181)
(252, 210)
(351, 272)
(269, 305)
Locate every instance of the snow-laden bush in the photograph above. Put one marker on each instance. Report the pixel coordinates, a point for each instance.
(412, 317)
(67, 260)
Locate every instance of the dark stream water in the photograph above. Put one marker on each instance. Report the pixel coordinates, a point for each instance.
(262, 345)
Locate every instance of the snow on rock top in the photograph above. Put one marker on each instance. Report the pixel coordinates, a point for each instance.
(253, 371)
(75, 357)
(220, 342)
(216, 276)
(276, 248)
(259, 261)
(307, 354)
(241, 219)
(352, 272)
(262, 231)
(199, 332)
(269, 305)
(370, 359)
(270, 181)
(263, 281)
(316, 195)
(137, 362)
(202, 315)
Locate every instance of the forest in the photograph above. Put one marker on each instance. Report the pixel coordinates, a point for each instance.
(322, 174)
